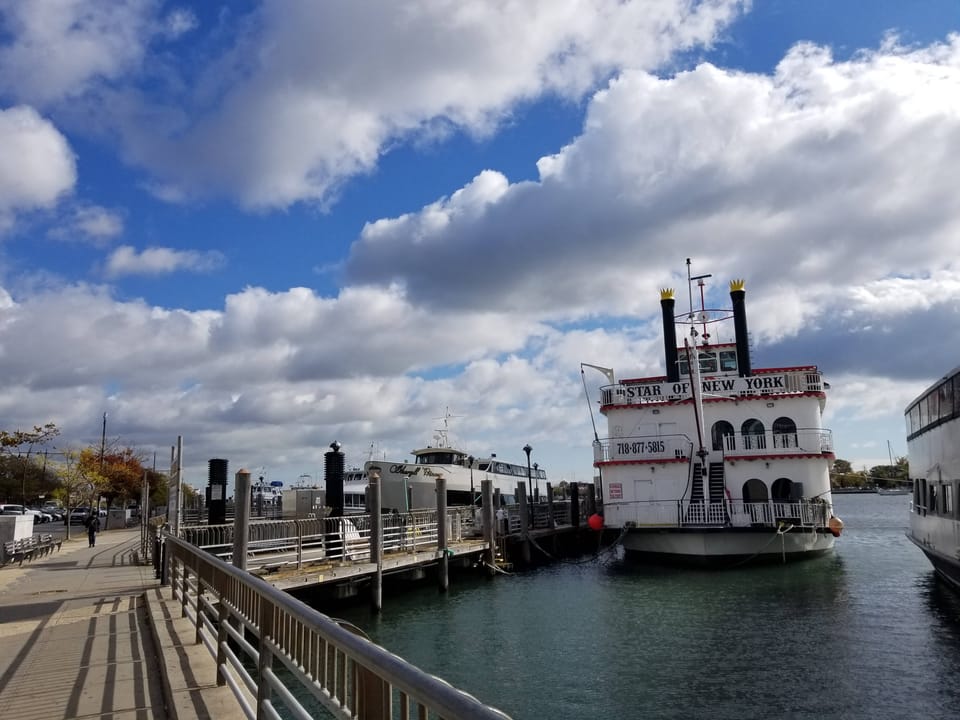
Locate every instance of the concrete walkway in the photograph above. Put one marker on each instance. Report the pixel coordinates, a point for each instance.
(87, 633)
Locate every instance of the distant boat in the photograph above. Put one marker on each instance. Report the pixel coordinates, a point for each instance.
(409, 486)
(933, 451)
(893, 491)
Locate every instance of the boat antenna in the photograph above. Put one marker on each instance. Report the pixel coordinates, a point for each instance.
(583, 379)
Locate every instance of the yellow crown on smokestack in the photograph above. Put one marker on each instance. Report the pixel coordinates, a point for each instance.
(666, 293)
(736, 285)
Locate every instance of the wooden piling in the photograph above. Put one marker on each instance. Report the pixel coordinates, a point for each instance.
(575, 505)
(489, 527)
(551, 522)
(375, 499)
(524, 524)
(241, 518)
(444, 564)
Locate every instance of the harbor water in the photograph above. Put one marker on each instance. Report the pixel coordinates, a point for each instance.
(865, 632)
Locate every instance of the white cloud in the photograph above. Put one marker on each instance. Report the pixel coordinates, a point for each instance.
(125, 260)
(824, 175)
(317, 92)
(89, 223)
(58, 47)
(180, 21)
(37, 166)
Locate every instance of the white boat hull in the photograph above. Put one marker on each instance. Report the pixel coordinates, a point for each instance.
(726, 545)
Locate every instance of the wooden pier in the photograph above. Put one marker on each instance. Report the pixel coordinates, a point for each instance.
(341, 555)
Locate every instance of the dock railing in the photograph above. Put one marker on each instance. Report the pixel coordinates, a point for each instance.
(281, 658)
(294, 543)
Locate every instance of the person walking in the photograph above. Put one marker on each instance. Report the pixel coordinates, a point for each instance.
(93, 527)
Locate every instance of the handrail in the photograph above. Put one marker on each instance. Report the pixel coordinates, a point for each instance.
(349, 675)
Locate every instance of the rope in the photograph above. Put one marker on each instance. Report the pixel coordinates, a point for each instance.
(596, 556)
(781, 531)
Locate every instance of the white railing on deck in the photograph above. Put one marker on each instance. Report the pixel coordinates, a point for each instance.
(691, 514)
(801, 442)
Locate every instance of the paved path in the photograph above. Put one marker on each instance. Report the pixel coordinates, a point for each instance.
(86, 633)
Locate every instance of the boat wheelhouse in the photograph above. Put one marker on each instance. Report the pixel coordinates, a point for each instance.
(933, 451)
(716, 462)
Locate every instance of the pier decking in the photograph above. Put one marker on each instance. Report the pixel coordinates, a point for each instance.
(76, 640)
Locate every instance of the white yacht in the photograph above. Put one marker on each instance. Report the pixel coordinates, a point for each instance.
(716, 462)
(933, 451)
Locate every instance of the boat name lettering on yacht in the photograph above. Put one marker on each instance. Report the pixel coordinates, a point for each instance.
(655, 391)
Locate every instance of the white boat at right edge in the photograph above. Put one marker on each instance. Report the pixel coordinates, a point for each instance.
(716, 463)
(933, 450)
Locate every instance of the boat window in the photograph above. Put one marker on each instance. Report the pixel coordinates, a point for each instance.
(784, 433)
(728, 360)
(945, 399)
(483, 466)
(721, 435)
(754, 490)
(708, 362)
(948, 500)
(781, 489)
(684, 366)
(753, 435)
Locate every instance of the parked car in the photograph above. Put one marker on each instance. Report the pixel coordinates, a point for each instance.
(40, 516)
(78, 515)
(9, 509)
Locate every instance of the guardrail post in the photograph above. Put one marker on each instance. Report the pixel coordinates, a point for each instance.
(489, 529)
(266, 655)
(444, 574)
(241, 519)
(223, 617)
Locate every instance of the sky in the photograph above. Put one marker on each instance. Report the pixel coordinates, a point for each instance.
(267, 226)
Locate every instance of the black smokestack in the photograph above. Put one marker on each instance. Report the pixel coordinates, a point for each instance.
(669, 335)
(737, 295)
(333, 478)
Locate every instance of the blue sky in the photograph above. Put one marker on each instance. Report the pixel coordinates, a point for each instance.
(266, 226)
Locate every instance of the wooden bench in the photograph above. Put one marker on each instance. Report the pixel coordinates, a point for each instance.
(46, 543)
(29, 548)
(18, 550)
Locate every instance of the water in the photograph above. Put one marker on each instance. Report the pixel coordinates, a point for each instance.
(866, 632)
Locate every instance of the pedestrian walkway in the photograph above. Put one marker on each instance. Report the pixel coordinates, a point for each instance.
(87, 633)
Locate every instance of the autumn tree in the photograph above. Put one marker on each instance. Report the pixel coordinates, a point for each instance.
(20, 474)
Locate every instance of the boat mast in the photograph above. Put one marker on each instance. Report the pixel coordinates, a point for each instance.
(693, 362)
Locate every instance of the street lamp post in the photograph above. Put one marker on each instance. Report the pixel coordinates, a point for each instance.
(527, 449)
(536, 481)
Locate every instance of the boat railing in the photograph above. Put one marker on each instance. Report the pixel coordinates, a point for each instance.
(643, 448)
(725, 513)
(804, 441)
(282, 658)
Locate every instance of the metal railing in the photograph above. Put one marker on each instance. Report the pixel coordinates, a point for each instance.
(800, 442)
(282, 658)
(699, 513)
(278, 543)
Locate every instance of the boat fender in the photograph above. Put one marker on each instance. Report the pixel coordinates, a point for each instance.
(835, 525)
